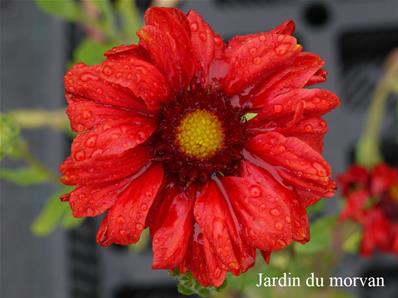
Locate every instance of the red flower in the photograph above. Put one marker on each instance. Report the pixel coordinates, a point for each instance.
(163, 143)
(372, 200)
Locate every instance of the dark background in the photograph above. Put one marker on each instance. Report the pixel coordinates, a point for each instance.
(353, 36)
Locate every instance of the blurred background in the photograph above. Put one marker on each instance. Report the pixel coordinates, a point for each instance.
(353, 36)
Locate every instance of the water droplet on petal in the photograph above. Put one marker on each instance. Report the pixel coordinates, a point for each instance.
(202, 36)
(278, 108)
(107, 70)
(80, 155)
(278, 226)
(90, 142)
(308, 128)
(255, 191)
(144, 207)
(275, 212)
(257, 60)
(194, 27)
(282, 49)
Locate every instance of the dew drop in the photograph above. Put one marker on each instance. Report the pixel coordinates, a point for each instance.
(282, 49)
(308, 128)
(194, 27)
(257, 60)
(80, 155)
(202, 36)
(275, 212)
(253, 51)
(144, 207)
(278, 108)
(90, 142)
(107, 70)
(255, 191)
(278, 226)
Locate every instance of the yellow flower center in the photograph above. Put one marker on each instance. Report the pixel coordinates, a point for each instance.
(200, 134)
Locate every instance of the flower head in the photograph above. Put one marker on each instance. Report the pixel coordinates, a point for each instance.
(372, 200)
(164, 142)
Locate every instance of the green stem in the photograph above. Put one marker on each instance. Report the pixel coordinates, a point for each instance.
(35, 163)
(368, 149)
(31, 119)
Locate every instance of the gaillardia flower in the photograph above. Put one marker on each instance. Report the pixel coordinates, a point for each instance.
(164, 141)
(372, 201)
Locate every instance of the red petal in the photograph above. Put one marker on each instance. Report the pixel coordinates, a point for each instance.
(124, 52)
(297, 217)
(172, 236)
(354, 208)
(357, 175)
(261, 211)
(221, 228)
(86, 82)
(126, 219)
(296, 162)
(296, 76)
(376, 233)
(286, 28)
(266, 255)
(84, 115)
(383, 178)
(202, 262)
(139, 76)
(310, 130)
(100, 169)
(316, 102)
(112, 138)
(206, 45)
(92, 200)
(257, 59)
(166, 37)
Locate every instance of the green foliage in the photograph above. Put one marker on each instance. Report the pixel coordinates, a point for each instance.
(316, 208)
(9, 137)
(24, 176)
(351, 244)
(142, 244)
(65, 9)
(321, 236)
(130, 19)
(249, 116)
(91, 52)
(54, 214)
(188, 285)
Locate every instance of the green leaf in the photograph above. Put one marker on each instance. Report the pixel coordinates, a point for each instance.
(249, 116)
(142, 244)
(69, 221)
(50, 216)
(130, 19)
(91, 52)
(55, 213)
(351, 244)
(23, 176)
(10, 137)
(188, 285)
(321, 232)
(105, 8)
(66, 9)
(316, 208)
